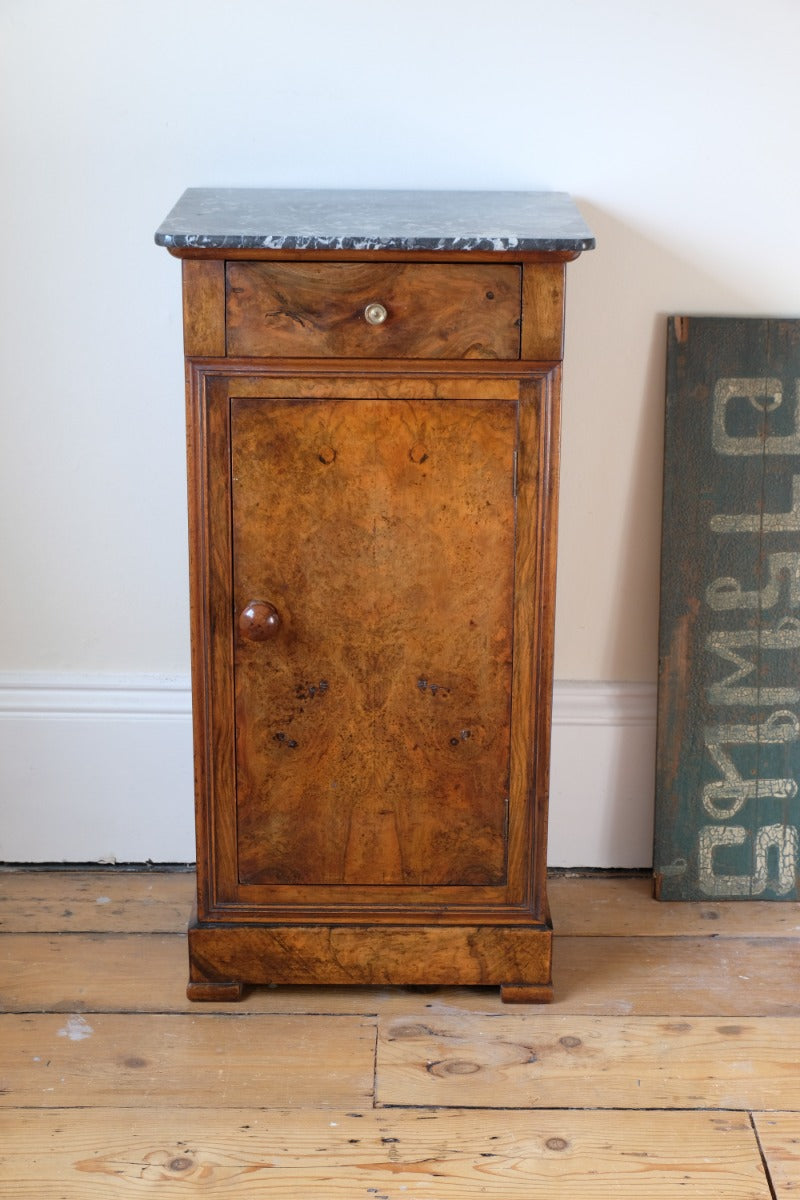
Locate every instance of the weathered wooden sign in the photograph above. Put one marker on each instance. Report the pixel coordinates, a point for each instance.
(727, 803)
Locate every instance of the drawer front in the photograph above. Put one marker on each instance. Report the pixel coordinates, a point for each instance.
(373, 310)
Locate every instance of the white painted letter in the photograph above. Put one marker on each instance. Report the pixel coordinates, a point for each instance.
(783, 838)
(725, 643)
(724, 593)
(733, 791)
(780, 522)
(763, 394)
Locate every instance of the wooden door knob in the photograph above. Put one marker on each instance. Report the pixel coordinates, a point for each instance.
(259, 621)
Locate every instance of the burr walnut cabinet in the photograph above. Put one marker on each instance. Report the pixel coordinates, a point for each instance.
(373, 411)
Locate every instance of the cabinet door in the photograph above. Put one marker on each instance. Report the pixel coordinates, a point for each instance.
(375, 576)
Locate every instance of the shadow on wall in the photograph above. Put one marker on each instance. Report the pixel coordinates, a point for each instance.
(619, 298)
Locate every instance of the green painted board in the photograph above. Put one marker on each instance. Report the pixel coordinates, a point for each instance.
(728, 763)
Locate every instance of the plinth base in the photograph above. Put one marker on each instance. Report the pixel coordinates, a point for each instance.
(225, 957)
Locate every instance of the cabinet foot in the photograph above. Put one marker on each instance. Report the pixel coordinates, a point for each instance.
(213, 990)
(526, 993)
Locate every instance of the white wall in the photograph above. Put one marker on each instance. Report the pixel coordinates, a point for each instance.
(673, 125)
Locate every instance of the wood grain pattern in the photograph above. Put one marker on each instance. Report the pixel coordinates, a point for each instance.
(690, 976)
(543, 311)
(203, 308)
(147, 1103)
(525, 852)
(544, 1059)
(604, 906)
(619, 907)
(388, 256)
(373, 730)
(374, 954)
(317, 310)
(210, 387)
(593, 976)
(212, 656)
(779, 1137)
(197, 443)
(354, 379)
(382, 756)
(95, 901)
(113, 1061)
(96, 1154)
(543, 592)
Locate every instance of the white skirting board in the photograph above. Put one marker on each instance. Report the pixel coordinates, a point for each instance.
(99, 769)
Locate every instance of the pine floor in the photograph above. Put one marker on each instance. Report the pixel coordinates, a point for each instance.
(668, 1066)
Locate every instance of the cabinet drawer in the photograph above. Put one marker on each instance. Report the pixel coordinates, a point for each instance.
(372, 310)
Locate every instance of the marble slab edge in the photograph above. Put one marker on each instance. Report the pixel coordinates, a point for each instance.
(298, 219)
(188, 241)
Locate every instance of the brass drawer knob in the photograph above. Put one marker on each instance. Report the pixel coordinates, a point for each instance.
(259, 621)
(375, 313)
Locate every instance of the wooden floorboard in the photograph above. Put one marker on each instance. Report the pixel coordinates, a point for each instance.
(104, 901)
(601, 976)
(614, 906)
(95, 901)
(696, 976)
(522, 1060)
(103, 1059)
(668, 1065)
(779, 1134)
(444, 1155)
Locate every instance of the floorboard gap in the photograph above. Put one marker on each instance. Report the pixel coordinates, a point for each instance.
(764, 1163)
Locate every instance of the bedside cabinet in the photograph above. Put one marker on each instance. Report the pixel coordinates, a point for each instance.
(373, 410)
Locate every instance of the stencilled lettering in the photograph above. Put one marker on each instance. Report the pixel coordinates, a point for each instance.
(766, 396)
(724, 594)
(751, 676)
(726, 643)
(725, 797)
(783, 840)
(780, 522)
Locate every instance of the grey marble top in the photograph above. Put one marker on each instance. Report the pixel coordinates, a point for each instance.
(267, 219)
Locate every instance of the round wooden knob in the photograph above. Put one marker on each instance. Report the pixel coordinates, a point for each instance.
(259, 621)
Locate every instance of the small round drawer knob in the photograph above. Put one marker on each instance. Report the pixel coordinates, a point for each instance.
(259, 621)
(375, 313)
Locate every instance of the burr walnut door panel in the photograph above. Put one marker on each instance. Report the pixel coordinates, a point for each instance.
(373, 547)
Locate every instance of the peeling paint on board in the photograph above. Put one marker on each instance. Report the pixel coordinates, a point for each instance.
(727, 795)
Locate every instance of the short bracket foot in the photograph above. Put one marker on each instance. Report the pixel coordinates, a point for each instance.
(526, 993)
(214, 989)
